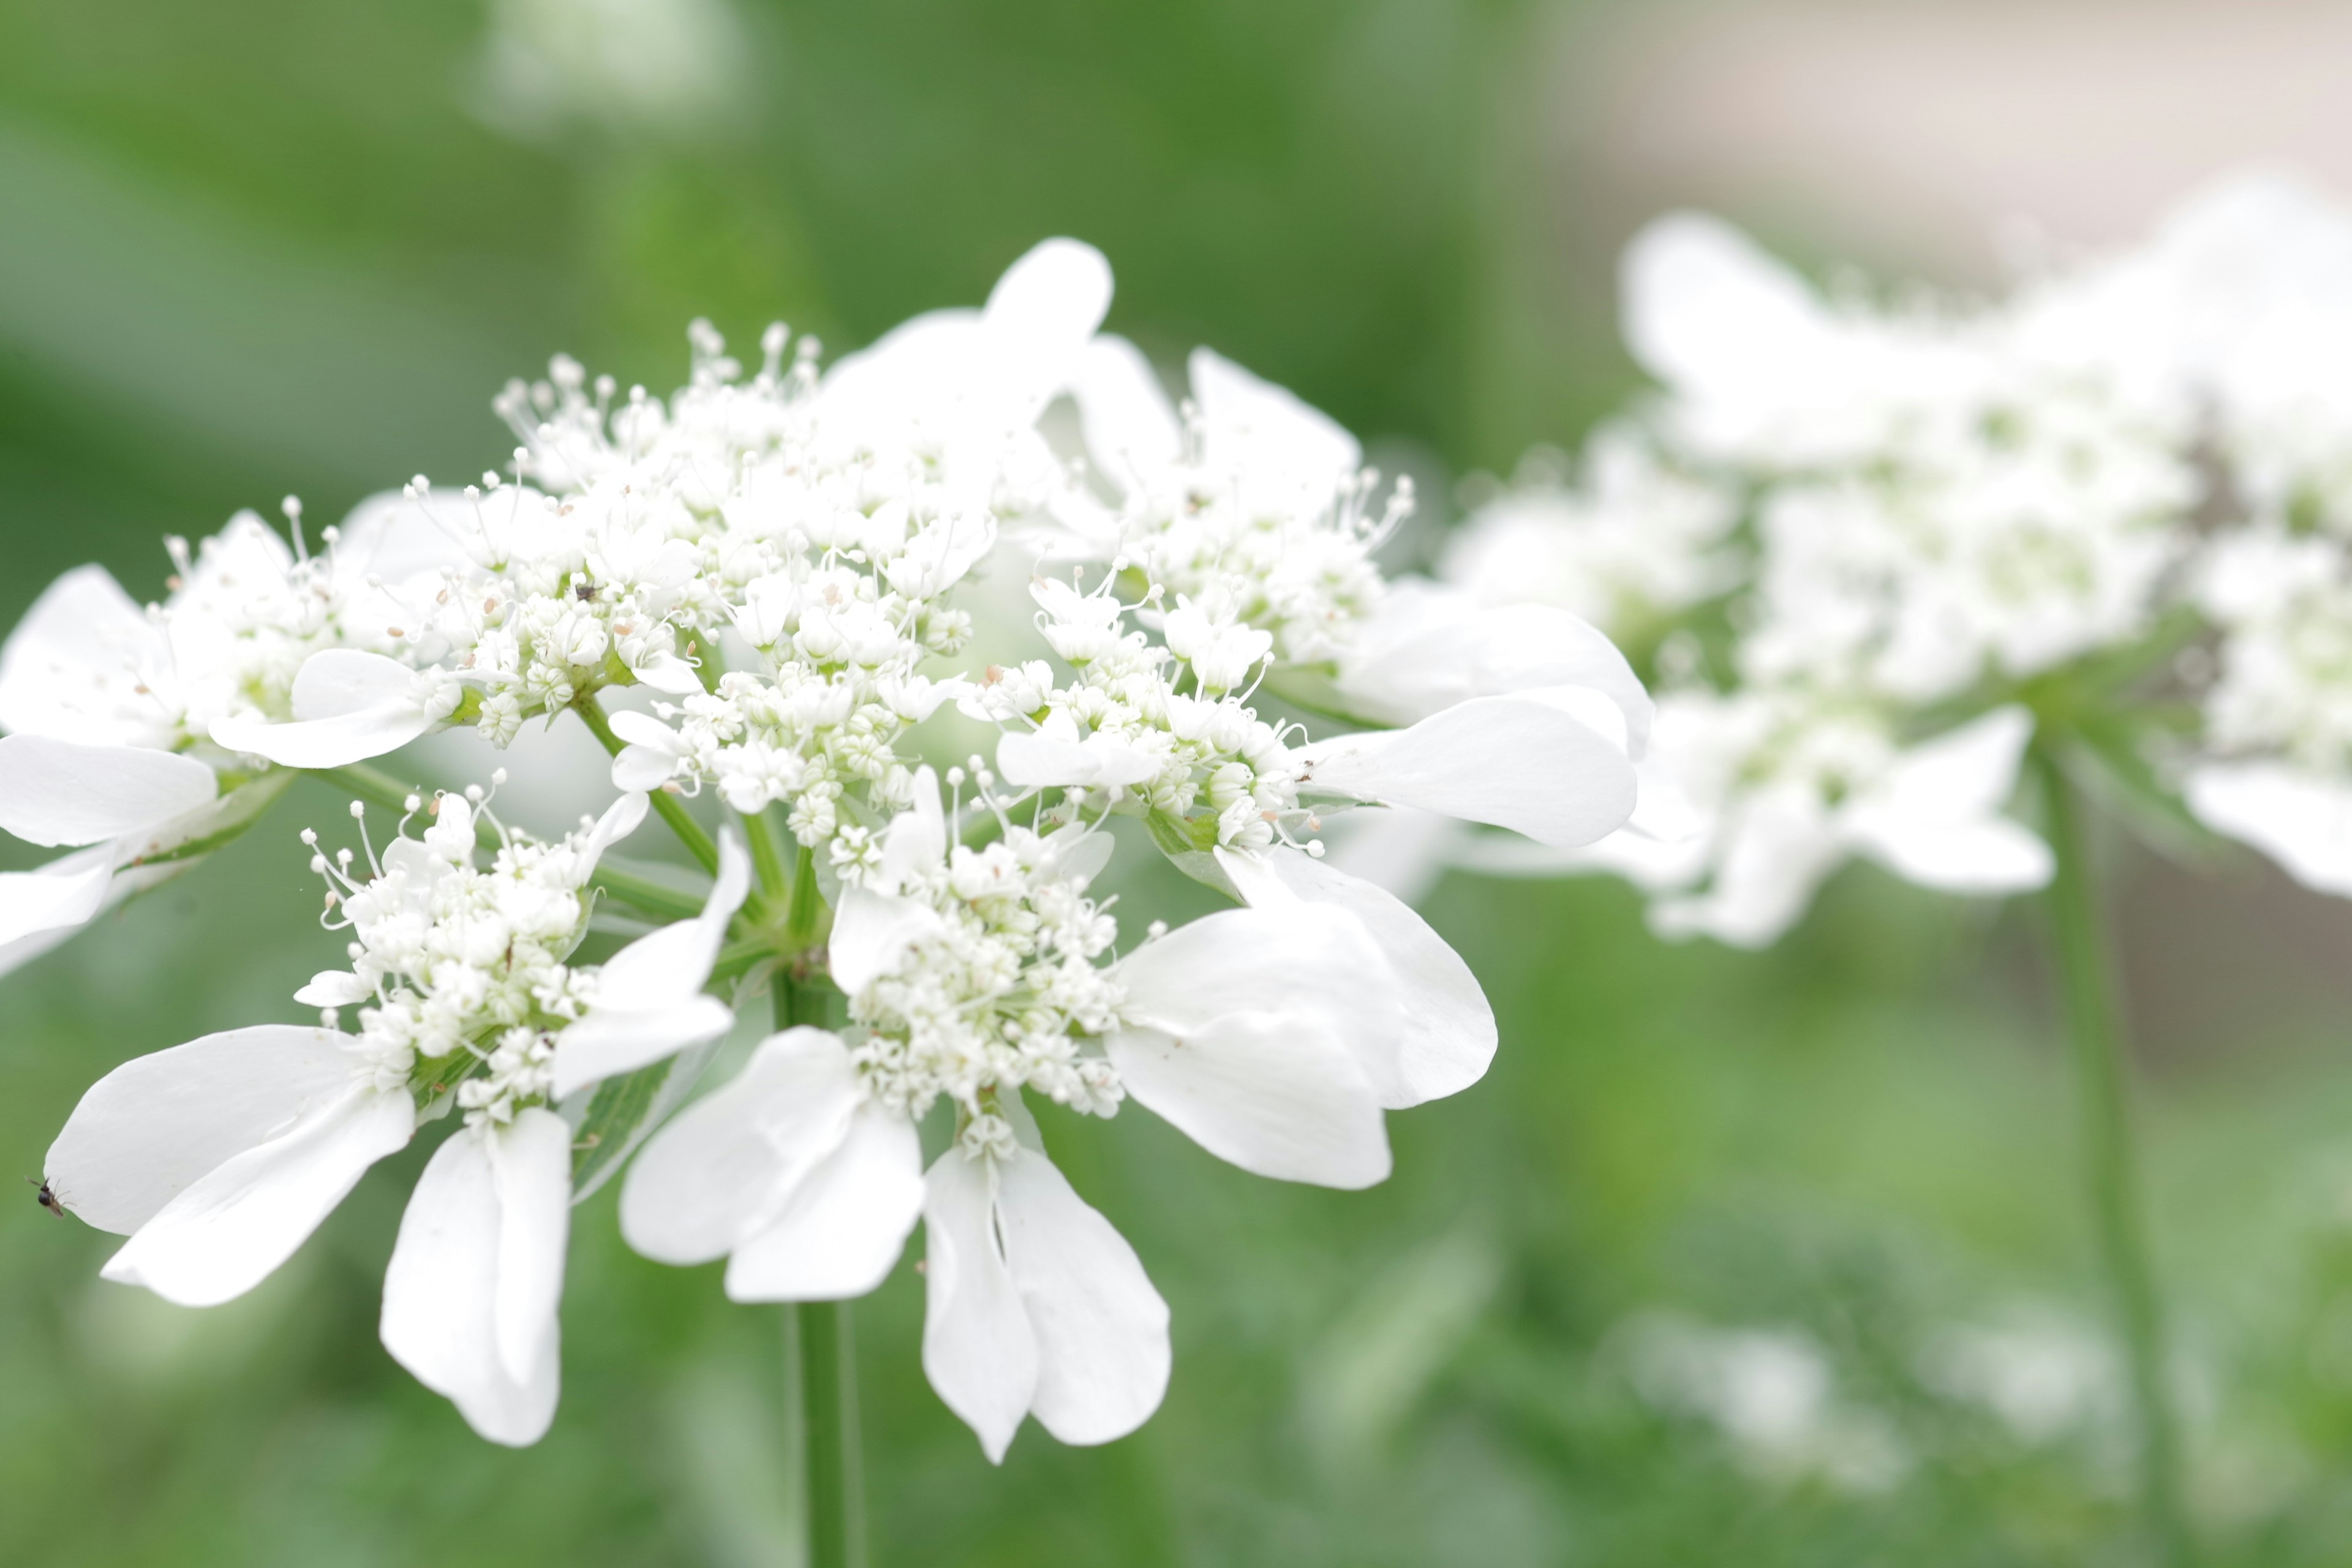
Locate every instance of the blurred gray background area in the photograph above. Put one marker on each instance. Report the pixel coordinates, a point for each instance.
(1733, 1258)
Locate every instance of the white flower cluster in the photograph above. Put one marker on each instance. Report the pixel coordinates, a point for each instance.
(1874, 550)
(766, 577)
(997, 987)
(460, 968)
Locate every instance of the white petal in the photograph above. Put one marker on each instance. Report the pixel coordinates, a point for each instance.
(979, 1350)
(871, 934)
(641, 768)
(649, 1001)
(530, 1161)
(1039, 316)
(1991, 856)
(334, 988)
(1310, 959)
(62, 668)
(158, 1124)
(917, 840)
(1967, 772)
(1445, 1030)
(1271, 1093)
(1529, 762)
(1268, 428)
(723, 1165)
(1130, 427)
(1428, 648)
(65, 893)
(228, 1231)
(2301, 820)
(57, 792)
(621, 818)
(671, 674)
(1032, 761)
(846, 1223)
(347, 706)
(1710, 314)
(462, 1298)
(609, 1042)
(1777, 849)
(1101, 1329)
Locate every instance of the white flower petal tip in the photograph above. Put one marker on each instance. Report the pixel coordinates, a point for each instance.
(809, 1187)
(56, 792)
(1035, 1306)
(1054, 755)
(2301, 820)
(1447, 1033)
(1933, 820)
(649, 1001)
(471, 1297)
(1548, 764)
(349, 706)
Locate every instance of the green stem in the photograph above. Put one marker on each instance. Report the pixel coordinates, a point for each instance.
(673, 811)
(645, 894)
(2110, 1163)
(836, 1481)
(376, 787)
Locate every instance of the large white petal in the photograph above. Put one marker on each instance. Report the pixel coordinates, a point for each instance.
(1444, 1029)
(57, 792)
(1990, 856)
(530, 1164)
(1429, 647)
(1101, 1329)
(1275, 1093)
(1532, 761)
(66, 667)
(347, 706)
(610, 1042)
(1039, 318)
(871, 933)
(444, 1318)
(706, 1181)
(1130, 427)
(979, 1349)
(1314, 959)
(65, 893)
(158, 1124)
(846, 1223)
(2301, 820)
(1267, 430)
(229, 1230)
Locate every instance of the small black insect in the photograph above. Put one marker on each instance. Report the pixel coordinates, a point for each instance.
(48, 1199)
(583, 590)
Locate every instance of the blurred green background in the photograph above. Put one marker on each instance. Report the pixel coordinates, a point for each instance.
(1732, 1259)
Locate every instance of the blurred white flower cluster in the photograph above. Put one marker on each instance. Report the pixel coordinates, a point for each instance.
(1873, 547)
(759, 596)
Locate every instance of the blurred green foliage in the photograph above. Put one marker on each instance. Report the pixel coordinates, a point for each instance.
(260, 246)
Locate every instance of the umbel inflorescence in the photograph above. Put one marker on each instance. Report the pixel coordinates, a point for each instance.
(764, 594)
(1871, 547)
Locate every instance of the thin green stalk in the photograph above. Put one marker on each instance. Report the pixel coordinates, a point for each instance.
(673, 811)
(837, 1480)
(2110, 1162)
